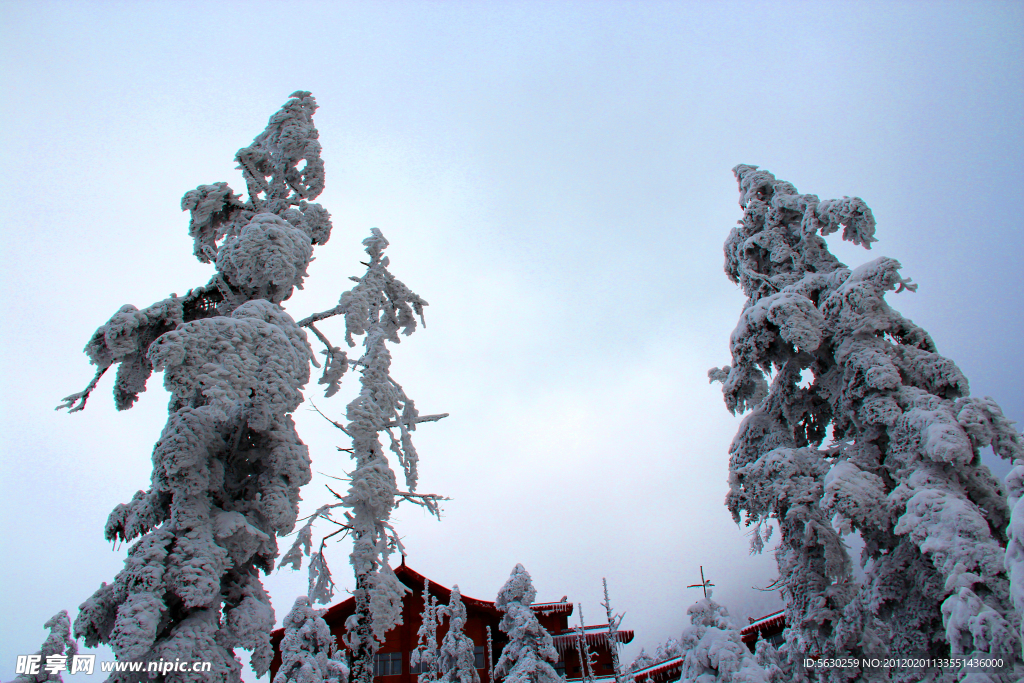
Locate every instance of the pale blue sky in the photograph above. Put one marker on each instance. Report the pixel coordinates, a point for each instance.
(555, 180)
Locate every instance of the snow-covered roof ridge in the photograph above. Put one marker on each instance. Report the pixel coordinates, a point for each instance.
(659, 667)
(415, 580)
(560, 607)
(593, 635)
(768, 620)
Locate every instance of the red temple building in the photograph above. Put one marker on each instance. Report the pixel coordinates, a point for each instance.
(392, 664)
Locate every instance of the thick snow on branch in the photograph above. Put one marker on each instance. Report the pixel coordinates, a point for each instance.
(902, 469)
(256, 358)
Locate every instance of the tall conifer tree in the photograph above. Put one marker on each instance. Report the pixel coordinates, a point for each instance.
(902, 468)
(228, 466)
(530, 652)
(378, 307)
(457, 656)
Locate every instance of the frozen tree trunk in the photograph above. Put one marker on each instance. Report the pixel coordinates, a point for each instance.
(586, 656)
(308, 650)
(530, 652)
(490, 656)
(228, 466)
(902, 469)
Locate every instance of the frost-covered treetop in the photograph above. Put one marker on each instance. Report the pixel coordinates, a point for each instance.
(707, 612)
(261, 248)
(519, 588)
(282, 169)
(456, 657)
(58, 642)
(529, 653)
(713, 650)
(788, 226)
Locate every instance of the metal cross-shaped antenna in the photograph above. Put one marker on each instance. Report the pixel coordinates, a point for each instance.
(704, 583)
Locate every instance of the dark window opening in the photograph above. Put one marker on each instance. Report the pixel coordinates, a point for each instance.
(387, 664)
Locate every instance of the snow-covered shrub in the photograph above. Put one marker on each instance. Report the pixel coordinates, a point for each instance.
(642, 661)
(902, 467)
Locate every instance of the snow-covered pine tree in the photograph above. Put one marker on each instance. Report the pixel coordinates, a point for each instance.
(58, 644)
(670, 649)
(308, 650)
(712, 649)
(228, 465)
(642, 661)
(457, 659)
(614, 620)
(768, 658)
(425, 654)
(530, 652)
(379, 306)
(903, 468)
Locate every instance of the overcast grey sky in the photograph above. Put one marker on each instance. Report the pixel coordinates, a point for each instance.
(555, 180)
